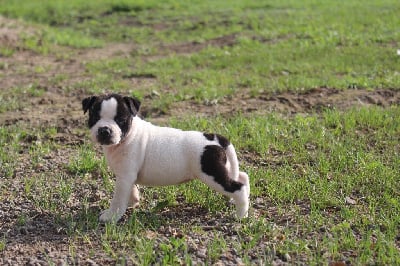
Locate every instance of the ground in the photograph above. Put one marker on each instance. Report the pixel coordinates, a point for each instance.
(35, 235)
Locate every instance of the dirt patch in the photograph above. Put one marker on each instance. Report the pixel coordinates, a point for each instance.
(106, 52)
(314, 100)
(193, 47)
(126, 49)
(10, 30)
(49, 110)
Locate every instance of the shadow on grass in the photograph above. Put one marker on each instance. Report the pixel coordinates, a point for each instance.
(34, 226)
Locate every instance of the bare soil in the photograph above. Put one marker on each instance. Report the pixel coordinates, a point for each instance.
(40, 238)
(315, 100)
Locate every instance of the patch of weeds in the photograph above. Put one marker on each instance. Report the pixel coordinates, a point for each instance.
(3, 66)
(144, 250)
(116, 65)
(3, 244)
(10, 143)
(44, 41)
(86, 162)
(81, 222)
(35, 44)
(8, 102)
(215, 248)
(6, 51)
(126, 6)
(71, 38)
(163, 104)
(58, 79)
(28, 185)
(103, 83)
(10, 98)
(22, 220)
(48, 193)
(37, 151)
(172, 251)
(34, 90)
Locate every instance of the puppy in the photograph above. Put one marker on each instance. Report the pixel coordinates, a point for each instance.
(140, 153)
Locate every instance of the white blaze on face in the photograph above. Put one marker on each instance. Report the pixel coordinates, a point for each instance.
(107, 114)
(108, 109)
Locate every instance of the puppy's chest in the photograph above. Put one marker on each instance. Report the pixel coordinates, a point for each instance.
(122, 162)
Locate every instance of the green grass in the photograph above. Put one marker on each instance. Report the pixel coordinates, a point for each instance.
(320, 161)
(279, 45)
(10, 98)
(6, 51)
(325, 186)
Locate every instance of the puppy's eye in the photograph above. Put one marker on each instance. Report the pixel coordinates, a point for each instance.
(119, 121)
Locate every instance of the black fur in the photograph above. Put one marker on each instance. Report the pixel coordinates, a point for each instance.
(133, 104)
(209, 136)
(224, 142)
(87, 103)
(213, 162)
(104, 135)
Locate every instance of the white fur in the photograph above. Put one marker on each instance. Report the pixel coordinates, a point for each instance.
(158, 156)
(108, 109)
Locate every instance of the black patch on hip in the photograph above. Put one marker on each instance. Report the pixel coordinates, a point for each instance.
(224, 142)
(213, 162)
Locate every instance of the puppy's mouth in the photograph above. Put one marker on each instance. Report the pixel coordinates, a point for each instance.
(105, 136)
(105, 142)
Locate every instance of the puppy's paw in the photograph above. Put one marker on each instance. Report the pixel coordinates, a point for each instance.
(242, 214)
(134, 204)
(109, 216)
(242, 210)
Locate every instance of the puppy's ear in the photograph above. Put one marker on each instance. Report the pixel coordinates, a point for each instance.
(133, 104)
(87, 103)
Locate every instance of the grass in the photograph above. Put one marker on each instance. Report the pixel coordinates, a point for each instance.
(322, 160)
(279, 45)
(324, 185)
(9, 97)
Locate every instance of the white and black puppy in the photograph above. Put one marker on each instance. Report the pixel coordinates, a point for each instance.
(140, 153)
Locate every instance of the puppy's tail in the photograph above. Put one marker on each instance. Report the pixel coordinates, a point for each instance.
(232, 163)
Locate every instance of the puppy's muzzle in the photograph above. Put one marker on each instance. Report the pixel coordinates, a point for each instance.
(104, 135)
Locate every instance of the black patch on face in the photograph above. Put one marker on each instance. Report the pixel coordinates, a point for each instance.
(133, 104)
(213, 162)
(124, 115)
(94, 112)
(224, 142)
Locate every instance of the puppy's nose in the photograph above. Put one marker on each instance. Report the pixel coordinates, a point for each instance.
(104, 132)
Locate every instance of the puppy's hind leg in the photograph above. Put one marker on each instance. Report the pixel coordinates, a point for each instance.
(232, 189)
(244, 179)
(216, 176)
(135, 197)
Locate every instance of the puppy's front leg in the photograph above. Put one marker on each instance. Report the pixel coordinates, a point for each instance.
(135, 197)
(120, 200)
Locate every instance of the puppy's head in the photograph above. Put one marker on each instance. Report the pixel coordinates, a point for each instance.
(110, 117)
